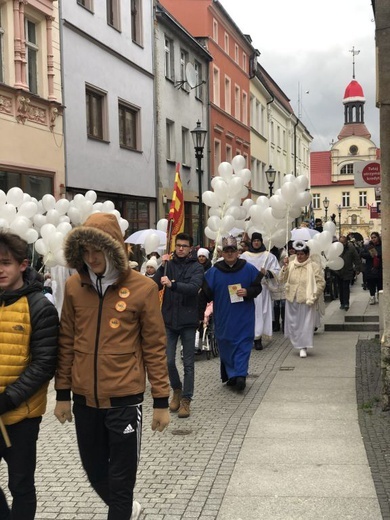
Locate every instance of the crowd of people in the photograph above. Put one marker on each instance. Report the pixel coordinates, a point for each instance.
(113, 328)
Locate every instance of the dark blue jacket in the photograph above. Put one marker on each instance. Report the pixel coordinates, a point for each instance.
(180, 302)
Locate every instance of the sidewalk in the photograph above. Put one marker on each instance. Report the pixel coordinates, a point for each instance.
(303, 456)
(288, 447)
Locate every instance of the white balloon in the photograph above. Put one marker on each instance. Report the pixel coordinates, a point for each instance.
(151, 243)
(301, 182)
(314, 246)
(28, 209)
(78, 200)
(64, 228)
(330, 226)
(209, 233)
(277, 202)
(15, 196)
(279, 213)
(46, 231)
(303, 199)
(53, 217)
(40, 247)
(288, 178)
(3, 197)
(8, 212)
(59, 257)
(20, 225)
(62, 206)
(4, 224)
(214, 223)
(39, 220)
(335, 264)
(64, 218)
(234, 211)
(244, 192)
(256, 214)
(294, 212)
(227, 223)
(245, 175)
(56, 241)
(235, 186)
(98, 206)
(221, 191)
(262, 202)
(238, 163)
(225, 170)
(210, 199)
(74, 215)
(278, 239)
(215, 211)
(334, 250)
(124, 225)
(108, 206)
(247, 204)
(162, 225)
(325, 239)
(31, 236)
(27, 198)
(91, 196)
(48, 202)
(289, 192)
(215, 180)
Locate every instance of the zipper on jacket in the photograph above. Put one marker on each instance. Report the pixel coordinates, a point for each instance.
(101, 298)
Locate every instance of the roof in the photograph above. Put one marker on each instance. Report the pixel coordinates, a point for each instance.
(358, 129)
(320, 168)
(273, 88)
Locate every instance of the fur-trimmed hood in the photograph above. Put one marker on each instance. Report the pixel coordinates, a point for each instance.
(102, 231)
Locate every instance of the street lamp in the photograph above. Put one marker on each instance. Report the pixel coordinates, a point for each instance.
(326, 202)
(339, 210)
(199, 139)
(271, 174)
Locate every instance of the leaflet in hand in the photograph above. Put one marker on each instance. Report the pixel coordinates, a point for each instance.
(233, 293)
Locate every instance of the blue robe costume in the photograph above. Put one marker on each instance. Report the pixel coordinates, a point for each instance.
(234, 322)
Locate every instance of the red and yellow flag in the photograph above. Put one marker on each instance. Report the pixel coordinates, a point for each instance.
(176, 211)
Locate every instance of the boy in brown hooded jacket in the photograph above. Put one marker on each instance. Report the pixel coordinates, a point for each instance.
(111, 335)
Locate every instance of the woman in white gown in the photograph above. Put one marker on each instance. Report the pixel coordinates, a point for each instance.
(304, 285)
(268, 264)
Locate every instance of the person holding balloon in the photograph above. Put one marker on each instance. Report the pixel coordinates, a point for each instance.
(304, 285)
(352, 266)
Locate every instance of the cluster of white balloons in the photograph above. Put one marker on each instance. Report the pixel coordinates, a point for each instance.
(229, 189)
(322, 245)
(46, 222)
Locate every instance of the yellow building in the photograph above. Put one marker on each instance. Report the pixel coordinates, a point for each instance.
(32, 140)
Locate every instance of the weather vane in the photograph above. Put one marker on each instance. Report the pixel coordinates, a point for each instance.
(354, 53)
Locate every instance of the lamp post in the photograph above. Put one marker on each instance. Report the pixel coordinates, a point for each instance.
(339, 210)
(270, 174)
(326, 202)
(199, 139)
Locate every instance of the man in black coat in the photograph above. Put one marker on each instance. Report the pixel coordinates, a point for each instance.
(352, 267)
(181, 278)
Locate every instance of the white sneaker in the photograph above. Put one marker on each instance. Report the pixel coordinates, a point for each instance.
(136, 510)
(372, 300)
(303, 352)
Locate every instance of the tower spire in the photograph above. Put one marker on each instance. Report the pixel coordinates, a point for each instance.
(354, 53)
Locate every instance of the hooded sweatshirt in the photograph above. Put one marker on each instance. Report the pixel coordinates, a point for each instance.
(111, 331)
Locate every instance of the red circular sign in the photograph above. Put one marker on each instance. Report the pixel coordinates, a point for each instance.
(372, 174)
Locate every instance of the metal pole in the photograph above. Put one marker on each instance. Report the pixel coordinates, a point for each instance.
(339, 222)
(199, 156)
(326, 214)
(270, 189)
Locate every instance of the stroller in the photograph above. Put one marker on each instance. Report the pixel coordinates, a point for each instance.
(208, 342)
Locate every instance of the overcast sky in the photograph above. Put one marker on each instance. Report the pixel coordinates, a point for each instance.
(304, 46)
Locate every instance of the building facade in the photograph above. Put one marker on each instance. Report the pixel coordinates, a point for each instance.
(108, 85)
(32, 140)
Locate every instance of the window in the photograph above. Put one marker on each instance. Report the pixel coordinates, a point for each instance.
(216, 92)
(129, 121)
(170, 137)
(136, 22)
(183, 64)
(228, 95)
(347, 169)
(217, 155)
(88, 4)
(96, 116)
(245, 108)
(237, 108)
(363, 199)
(345, 202)
(32, 55)
(35, 185)
(229, 153)
(316, 200)
(244, 62)
(226, 43)
(199, 80)
(236, 54)
(215, 31)
(1, 50)
(113, 14)
(185, 147)
(169, 63)
(137, 214)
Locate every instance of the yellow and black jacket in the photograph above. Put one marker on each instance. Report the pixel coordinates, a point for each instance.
(28, 350)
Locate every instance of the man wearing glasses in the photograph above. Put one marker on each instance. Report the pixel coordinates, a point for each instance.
(181, 278)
